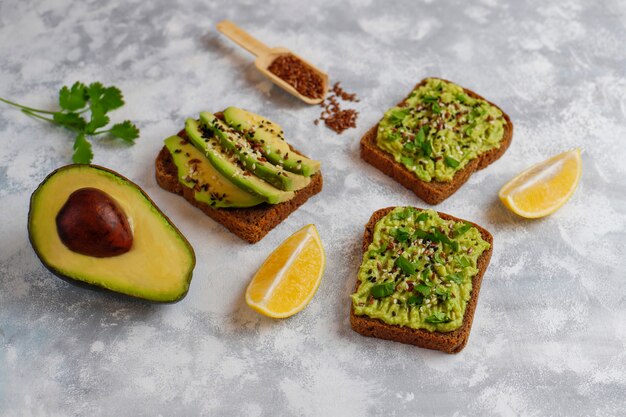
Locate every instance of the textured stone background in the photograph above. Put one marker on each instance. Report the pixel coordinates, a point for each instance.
(549, 336)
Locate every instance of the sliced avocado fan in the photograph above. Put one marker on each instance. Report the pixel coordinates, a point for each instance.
(252, 159)
(209, 185)
(268, 136)
(228, 164)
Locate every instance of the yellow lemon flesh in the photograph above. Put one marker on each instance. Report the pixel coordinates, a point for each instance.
(290, 276)
(545, 187)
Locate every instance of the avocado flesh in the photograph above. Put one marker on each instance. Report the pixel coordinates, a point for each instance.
(229, 166)
(269, 136)
(210, 186)
(252, 159)
(159, 265)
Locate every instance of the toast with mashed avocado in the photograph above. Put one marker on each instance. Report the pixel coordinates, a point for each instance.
(420, 278)
(434, 139)
(238, 169)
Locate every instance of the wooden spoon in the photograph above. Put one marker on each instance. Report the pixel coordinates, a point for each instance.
(265, 56)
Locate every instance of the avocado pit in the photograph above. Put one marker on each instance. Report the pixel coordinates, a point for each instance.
(93, 224)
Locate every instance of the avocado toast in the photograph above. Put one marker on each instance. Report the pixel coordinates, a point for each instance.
(238, 169)
(434, 139)
(420, 278)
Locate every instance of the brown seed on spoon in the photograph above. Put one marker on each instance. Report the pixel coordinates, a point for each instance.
(266, 56)
(93, 224)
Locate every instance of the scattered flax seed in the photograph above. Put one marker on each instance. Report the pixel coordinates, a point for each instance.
(299, 75)
(333, 116)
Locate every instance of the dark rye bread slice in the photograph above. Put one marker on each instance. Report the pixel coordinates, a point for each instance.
(433, 192)
(449, 342)
(252, 223)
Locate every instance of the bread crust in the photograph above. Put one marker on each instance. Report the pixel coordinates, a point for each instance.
(433, 192)
(251, 223)
(449, 342)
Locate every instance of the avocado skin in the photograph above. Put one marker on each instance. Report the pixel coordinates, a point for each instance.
(96, 287)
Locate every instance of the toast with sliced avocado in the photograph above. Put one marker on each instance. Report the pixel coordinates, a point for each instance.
(220, 169)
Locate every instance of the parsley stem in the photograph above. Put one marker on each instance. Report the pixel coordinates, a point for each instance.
(32, 114)
(25, 108)
(100, 132)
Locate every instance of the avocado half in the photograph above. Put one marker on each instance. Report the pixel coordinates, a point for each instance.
(158, 266)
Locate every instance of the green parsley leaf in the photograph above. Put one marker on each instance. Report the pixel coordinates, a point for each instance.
(82, 150)
(422, 217)
(112, 99)
(73, 98)
(401, 234)
(125, 131)
(451, 162)
(406, 266)
(421, 136)
(396, 116)
(70, 120)
(383, 290)
(442, 294)
(430, 99)
(409, 146)
(438, 258)
(72, 101)
(415, 300)
(423, 289)
(436, 109)
(437, 318)
(455, 278)
(462, 229)
(407, 161)
(427, 148)
(400, 215)
(98, 118)
(425, 274)
(461, 97)
(464, 262)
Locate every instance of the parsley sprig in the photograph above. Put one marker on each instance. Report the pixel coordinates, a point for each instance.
(75, 102)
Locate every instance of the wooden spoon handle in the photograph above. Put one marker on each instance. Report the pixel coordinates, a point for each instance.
(242, 38)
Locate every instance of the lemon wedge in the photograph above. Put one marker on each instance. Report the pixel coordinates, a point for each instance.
(290, 276)
(543, 188)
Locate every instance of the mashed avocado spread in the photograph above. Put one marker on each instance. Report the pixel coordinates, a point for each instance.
(439, 129)
(418, 270)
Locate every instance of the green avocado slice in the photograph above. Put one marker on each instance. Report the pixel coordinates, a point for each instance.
(158, 266)
(251, 158)
(269, 137)
(210, 186)
(230, 167)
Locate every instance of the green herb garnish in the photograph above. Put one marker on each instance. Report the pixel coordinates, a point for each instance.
(422, 216)
(436, 109)
(462, 229)
(451, 162)
(442, 294)
(438, 258)
(75, 101)
(408, 267)
(383, 290)
(423, 289)
(400, 215)
(437, 318)
(401, 234)
(398, 115)
(455, 278)
(464, 262)
(415, 300)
